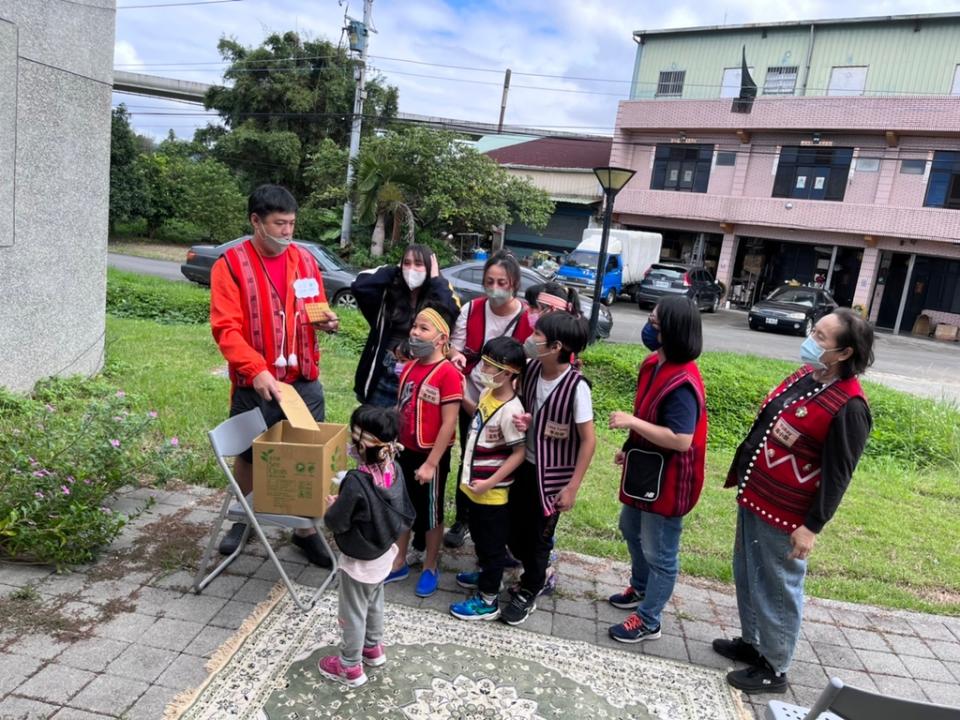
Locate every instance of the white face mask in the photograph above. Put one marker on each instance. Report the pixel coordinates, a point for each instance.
(489, 380)
(414, 278)
(278, 244)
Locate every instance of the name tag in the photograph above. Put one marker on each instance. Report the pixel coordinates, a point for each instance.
(306, 288)
(556, 431)
(494, 434)
(784, 433)
(430, 394)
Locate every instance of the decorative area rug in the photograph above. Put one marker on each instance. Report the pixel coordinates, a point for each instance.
(441, 667)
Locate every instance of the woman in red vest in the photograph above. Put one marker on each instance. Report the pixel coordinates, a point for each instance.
(791, 472)
(499, 312)
(663, 463)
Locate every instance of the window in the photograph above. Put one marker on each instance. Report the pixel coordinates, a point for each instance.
(812, 173)
(671, 83)
(943, 189)
(956, 81)
(847, 80)
(780, 80)
(726, 159)
(685, 168)
(730, 88)
(913, 167)
(868, 164)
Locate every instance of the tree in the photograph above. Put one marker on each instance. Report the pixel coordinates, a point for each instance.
(162, 196)
(210, 198)
(126, 187)
(289, 88)
(430, 178)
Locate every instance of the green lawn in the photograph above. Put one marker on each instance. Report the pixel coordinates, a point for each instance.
(893, 542)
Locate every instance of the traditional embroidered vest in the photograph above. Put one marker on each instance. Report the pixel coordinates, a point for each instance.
(262, 319)
(557, 440)
(426, 414)
(783, 475)
(477, 326)
(683, 472)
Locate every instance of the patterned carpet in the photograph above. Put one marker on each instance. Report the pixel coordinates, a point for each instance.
(440, 667)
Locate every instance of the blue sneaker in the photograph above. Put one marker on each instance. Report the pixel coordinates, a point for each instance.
(632, 630)
(397, 575)
(476, 608)
(469, 580)
(427, 584)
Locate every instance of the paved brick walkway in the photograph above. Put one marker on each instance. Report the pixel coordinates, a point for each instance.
(134, 636)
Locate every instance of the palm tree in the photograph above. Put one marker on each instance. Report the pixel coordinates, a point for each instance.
(380, 194)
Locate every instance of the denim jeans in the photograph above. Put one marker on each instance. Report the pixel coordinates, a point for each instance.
(654, 544)
(769, 589)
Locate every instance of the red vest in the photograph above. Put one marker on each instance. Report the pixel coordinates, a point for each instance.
(477, 326)
(427, 414)
(683, 471)
(262, 319)
(783, 475)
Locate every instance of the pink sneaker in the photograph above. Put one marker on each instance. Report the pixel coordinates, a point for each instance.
(374, 656)
(332, 668)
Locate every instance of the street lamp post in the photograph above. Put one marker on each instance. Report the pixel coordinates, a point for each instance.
(612, 180)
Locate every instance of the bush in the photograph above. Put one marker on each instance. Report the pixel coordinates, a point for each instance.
(67, 449)
(135, 296)
(915, 431)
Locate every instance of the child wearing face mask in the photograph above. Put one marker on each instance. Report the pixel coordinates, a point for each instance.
(559, 447)
(431, 389)
(366, 517)
(494, 449)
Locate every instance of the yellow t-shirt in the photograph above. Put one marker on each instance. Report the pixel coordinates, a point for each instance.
(499, 432)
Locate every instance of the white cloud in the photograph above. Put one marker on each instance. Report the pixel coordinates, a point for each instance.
(573, 38)
(125, 54)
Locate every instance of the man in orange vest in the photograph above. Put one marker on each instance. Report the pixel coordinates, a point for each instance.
(258, 290)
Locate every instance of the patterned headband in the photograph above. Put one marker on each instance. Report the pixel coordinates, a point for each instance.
(552, 300)
(509, 368)
(436, 319)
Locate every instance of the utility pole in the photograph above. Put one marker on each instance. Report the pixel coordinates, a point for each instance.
(503, 101)
(359, 33)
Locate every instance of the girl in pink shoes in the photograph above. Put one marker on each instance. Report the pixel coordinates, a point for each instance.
(366, 517)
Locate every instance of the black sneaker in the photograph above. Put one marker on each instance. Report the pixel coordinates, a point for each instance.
(456, 535)
(629, 599)
(737, 649)
(231, 539)
(759, 678)
(521, 604)
(313, 549)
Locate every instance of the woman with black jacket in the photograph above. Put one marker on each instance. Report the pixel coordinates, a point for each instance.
(390, 297)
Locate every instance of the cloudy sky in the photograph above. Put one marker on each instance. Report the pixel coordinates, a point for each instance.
(587, 42)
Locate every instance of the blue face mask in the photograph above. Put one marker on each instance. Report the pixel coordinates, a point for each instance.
(811, 352)
(651, 337)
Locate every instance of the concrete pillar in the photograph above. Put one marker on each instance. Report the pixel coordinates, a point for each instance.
(728, 256)
(56, 75)
(868, 276)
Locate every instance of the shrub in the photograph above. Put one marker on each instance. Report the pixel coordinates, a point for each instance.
(68, 448)
(135, 296)
(915, 431)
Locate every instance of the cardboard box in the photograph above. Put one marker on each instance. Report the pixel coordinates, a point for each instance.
(295, 460)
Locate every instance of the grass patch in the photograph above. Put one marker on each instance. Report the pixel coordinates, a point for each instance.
(150, 298)
(892, 542)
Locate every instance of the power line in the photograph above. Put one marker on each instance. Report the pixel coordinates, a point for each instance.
(756, 149)
(176, 4)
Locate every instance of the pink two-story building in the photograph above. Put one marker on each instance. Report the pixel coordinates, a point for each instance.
(828, 180)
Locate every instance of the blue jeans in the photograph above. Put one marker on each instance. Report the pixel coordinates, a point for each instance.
(654, 544)
(769, 589)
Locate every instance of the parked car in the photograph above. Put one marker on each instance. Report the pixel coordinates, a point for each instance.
(337, 275)
(663, 279)
(467, 280)
(793, 308)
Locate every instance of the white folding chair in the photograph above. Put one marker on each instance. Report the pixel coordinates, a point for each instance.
(229, 439)
(842, 702)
